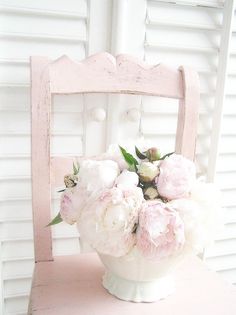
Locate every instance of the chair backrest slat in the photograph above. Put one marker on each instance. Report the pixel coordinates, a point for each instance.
(101, 73)
(60, 166)
(40, 157)
(186, 134)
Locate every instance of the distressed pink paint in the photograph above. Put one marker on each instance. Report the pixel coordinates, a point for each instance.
(72, 285)
(99, 73)
(40, 153)
(188, 114)
(60, 166)
(103, 73)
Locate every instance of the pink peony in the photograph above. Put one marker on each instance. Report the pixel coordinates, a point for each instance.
(160, 232)
(73, 201)
(68, 210)
(108, 222)
(177, 175)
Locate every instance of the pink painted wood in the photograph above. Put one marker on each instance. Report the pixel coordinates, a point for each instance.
(102, 73)
(72, 285)
(188, 114)
(60, 166)
(40, 153)
(99, 73)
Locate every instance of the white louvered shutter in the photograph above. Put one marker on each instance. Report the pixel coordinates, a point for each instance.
(173, 32)
(222, 256)
(193, 33)
(198, 34)
(179, 33)
(48, 28)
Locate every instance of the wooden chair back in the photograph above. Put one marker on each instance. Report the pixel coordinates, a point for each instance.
(101, 73)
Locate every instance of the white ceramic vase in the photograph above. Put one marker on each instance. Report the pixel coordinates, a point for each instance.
(134, 278)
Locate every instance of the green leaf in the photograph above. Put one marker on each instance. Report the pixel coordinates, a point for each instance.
(139, 154)
(133, 168)
(75, 168)
(129, 158)
(56, 220)
(61, 190)
(166, 155)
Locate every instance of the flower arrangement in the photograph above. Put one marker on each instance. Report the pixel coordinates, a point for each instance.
(143, 200)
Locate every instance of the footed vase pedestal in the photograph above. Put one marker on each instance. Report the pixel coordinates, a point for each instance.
(138, 291)
(134, 278)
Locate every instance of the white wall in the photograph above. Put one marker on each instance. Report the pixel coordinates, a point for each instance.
(159, 31)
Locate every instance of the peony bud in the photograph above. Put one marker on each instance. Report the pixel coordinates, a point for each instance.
(147, 171)
(70, 180)
(153, 154)
(150, 193)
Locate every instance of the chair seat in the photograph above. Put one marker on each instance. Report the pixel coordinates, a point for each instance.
(71, 285)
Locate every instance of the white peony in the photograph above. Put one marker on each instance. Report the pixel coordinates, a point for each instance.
(191, 214)
(208, 197)
(201, 213)
(108, 222)
(97, 175)
(114, 153)
(127, 180)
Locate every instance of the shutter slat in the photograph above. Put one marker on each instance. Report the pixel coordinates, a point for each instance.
(192, 34)
(33, 28)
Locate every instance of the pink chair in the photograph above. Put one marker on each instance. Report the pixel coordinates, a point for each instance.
(72, 284)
